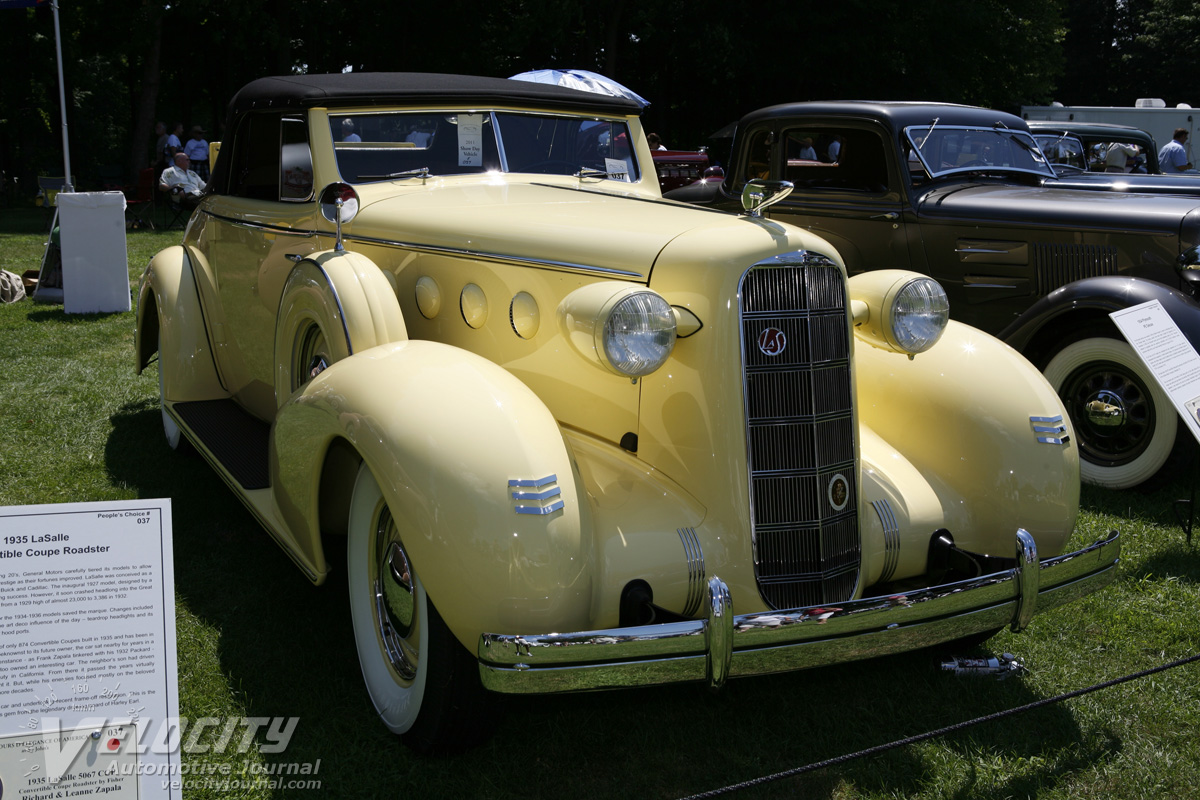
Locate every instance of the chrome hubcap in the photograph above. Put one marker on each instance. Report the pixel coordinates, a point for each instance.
(1106, 409)
(310, 357)
(395, 600)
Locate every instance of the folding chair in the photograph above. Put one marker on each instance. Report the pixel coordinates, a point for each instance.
(179, 212)
(139, 208)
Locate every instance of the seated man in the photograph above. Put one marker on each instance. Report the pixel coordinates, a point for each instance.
(182, 181)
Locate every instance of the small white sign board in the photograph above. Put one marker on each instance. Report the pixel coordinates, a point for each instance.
(1166, 352)
(95, 264)
(89, 697)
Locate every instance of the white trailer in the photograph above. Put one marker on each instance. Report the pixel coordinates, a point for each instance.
(1150, 114)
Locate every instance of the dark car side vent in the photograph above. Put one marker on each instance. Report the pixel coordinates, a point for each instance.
(1058, 264)
(800, 433)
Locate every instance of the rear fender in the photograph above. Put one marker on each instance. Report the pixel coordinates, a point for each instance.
(170, 320)
(445, 432)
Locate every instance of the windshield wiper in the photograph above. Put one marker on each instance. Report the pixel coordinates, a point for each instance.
(1014, 136)
(928, 133)
(422, 172)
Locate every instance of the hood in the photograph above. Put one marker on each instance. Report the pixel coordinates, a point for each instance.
(1130, 182)
(543, 222)
(1070, 208)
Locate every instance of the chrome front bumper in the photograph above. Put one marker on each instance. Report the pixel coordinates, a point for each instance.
(724, 645)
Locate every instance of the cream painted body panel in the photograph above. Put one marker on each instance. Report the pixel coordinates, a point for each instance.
(470, 401)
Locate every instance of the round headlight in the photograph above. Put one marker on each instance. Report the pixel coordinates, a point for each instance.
(920, 311)
(639, 334)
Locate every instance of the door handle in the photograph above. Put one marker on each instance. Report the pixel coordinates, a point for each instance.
(892, 215)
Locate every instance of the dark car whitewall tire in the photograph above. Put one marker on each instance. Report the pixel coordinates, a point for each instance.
(1130, 444)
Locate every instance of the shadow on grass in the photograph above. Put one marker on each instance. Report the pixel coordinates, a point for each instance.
(286, 649)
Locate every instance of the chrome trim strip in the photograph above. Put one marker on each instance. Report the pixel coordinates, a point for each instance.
(519, 260)
(1051, 425)
(694, 554)
(262, 226)
(891, 538)
(338, 301)
(546, 495)
(777, 641)
(537, 483)
(539, 510)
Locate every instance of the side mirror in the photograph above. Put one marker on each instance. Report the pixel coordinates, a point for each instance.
(759, 194)
(339, 204)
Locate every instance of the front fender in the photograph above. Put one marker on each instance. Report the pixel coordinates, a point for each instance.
(170, 320)
(445, 432)
(1038, 331)
(960, 418)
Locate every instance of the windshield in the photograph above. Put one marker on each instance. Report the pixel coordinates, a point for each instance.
(1062, 149)
(393, 146)
(946, 149)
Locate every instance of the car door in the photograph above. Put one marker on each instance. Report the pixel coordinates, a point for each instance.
(847, 187)
(263, 221)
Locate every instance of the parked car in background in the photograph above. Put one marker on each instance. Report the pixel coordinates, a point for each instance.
(677, 168)
(565, 435)
(966, 196)
(1084, 145)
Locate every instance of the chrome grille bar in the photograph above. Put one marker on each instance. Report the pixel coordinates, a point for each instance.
(800, 432)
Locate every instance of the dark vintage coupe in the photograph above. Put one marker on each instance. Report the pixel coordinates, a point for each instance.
(966, 196)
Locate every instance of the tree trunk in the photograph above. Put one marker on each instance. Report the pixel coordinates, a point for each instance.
(143, 126)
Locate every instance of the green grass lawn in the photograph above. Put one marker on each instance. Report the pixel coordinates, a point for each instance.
(256, 639)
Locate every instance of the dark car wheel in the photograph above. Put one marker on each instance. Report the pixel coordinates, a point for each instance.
(1124, 423)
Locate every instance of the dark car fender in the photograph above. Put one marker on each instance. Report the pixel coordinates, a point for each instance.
(1040, 330)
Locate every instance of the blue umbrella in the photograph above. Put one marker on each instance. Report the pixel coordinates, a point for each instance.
(582, 80)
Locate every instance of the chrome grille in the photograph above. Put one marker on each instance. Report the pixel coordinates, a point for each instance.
(800, 432)
(1060, 264)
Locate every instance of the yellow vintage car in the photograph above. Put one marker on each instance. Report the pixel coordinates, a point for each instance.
(443, 332)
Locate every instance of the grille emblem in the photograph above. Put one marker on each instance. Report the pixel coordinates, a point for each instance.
(772, 341)
(838, 492)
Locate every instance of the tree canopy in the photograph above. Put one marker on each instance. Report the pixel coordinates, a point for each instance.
(701, 63)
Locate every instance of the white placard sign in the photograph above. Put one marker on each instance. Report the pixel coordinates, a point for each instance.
(470, 140)
(1167, 353)
(89, 699)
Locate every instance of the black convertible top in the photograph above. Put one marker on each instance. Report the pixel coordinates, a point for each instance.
(391, 88)
(895, 115)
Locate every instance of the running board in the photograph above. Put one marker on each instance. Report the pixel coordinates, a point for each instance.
(237, 440)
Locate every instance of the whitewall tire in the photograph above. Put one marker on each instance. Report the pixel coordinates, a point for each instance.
(1125, 425)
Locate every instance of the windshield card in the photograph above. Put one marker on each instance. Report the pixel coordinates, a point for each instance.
(470, 140)
(617, 169)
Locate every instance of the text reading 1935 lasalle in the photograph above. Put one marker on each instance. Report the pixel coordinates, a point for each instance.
(571, 436)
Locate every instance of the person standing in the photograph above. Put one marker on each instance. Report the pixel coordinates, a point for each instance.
(160, 147)
(1118, 155)
(174, 145)
(1172, 158)
(196, 149)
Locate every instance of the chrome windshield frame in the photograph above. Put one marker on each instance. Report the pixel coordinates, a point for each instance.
(917, 135)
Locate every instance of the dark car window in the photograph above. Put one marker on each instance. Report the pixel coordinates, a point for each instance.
(272, 159)
(840, 159)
